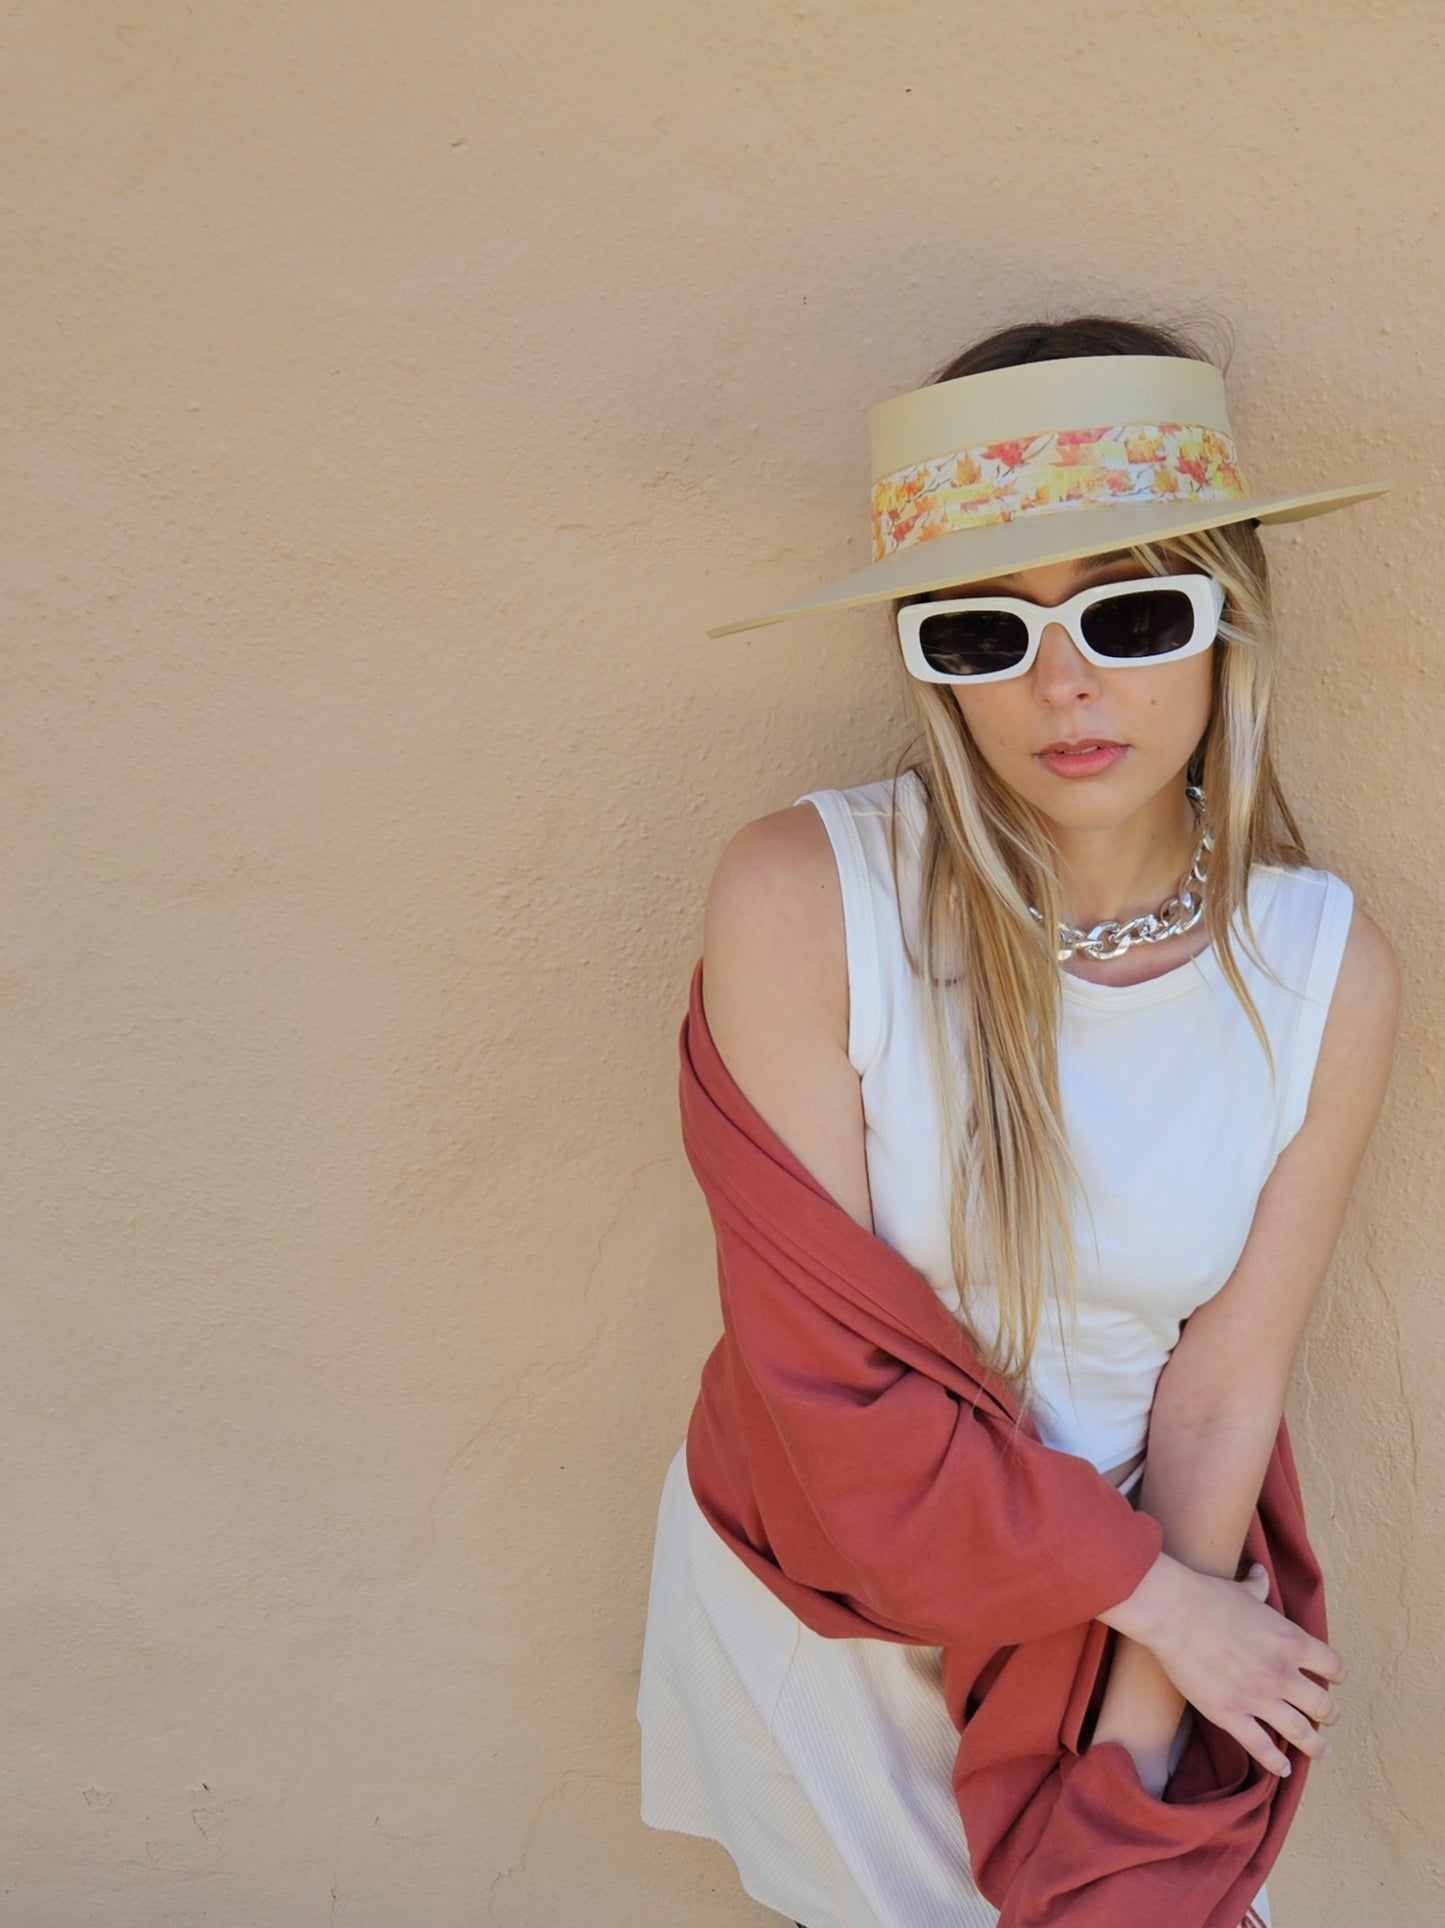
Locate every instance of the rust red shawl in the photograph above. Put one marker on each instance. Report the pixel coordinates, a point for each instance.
(852, 1449)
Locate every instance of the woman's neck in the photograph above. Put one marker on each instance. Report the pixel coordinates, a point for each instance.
(1119, 871)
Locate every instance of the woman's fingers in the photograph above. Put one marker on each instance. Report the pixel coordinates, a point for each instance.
(1318, 1658)
(1314, 1700)
(1256, 1741)
(1291, 1725)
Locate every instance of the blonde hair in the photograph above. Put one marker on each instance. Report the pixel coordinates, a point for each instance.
(988, 971)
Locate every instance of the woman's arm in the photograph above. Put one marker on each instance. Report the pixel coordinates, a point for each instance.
(1203, 1487)
(920, 1504)
(775, 994)
(1219, 1399)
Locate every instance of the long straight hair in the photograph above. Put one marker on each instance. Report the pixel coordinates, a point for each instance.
(991, 989)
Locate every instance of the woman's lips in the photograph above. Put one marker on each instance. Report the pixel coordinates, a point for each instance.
(1082, 763)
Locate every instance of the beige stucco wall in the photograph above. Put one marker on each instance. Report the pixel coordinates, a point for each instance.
(395, 393)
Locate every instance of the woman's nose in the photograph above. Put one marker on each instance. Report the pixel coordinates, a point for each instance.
(1061, 668)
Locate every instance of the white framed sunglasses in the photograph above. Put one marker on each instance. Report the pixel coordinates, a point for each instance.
(984, 639)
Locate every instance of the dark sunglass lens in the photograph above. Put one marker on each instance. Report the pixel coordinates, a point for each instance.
(1153, 623)
(973, 642)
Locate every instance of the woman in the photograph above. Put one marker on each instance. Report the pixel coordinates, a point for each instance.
(1121, 1159)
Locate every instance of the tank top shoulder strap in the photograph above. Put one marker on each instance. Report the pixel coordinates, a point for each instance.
(1309, 915)
(859, 825)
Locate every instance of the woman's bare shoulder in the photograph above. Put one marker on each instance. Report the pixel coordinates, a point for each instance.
(1358, 1045)
(775, 993)
(773, 934)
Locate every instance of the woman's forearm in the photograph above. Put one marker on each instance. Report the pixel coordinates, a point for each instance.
(1202, 1485)
(1142, 1709)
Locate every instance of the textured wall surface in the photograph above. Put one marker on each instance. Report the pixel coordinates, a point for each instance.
(395, 393)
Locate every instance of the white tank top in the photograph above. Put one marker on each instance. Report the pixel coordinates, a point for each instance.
(1167, 1100)
(824, 1765)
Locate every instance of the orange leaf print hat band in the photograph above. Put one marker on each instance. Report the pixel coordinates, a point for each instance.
(989, 474)
(1133, 462)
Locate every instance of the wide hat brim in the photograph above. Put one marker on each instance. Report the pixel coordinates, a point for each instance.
(1028, 542)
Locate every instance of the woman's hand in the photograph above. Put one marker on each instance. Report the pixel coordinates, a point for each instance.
(1234, 1657)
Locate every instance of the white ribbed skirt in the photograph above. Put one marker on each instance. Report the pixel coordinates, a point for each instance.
(823, 1766)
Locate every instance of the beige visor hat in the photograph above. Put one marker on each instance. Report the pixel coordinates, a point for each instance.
(989, 474)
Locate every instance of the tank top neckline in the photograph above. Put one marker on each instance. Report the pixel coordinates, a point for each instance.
(1203, 968)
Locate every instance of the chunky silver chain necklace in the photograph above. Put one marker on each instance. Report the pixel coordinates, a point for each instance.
(1175, 915)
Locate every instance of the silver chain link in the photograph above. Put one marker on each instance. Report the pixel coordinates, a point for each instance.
(1174, 916)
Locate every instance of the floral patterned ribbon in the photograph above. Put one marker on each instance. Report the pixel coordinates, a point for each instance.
(1032, 475)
